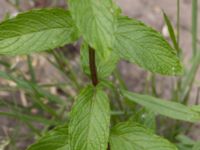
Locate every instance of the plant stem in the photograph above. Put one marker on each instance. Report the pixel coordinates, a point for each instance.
(198, 95)
(178, 30)
(108, 146)
(153, 85)
(31, 69)
(194, 25)
(188, 81)
(92, 64)
(178, 22)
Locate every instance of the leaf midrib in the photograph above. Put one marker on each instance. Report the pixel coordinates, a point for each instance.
(45, 30)
(90, 116)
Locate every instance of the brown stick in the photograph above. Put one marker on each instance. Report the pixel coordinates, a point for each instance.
(108, 146)
(93, 69)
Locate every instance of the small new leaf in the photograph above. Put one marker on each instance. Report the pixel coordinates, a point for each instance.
(37, 30)
(130, 136)
(164, 107)
(140, 44)
(90, 120)
(95, 20)
(56, 139)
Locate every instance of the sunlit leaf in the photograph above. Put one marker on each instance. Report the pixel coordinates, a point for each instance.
(37, 30)
(140, 44)
(129, 136)
(96, 22)
(90, 120)
(56, 139)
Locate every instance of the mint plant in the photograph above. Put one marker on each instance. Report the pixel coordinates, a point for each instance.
(107, 37)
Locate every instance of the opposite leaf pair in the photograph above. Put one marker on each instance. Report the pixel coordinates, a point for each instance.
(46, 29)
(89, 129)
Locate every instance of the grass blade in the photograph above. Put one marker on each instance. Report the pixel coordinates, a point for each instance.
(171, 32)
(188, 80)
(163, 107)
(28, 118)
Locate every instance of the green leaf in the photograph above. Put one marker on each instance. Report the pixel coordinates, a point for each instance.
(56, 139)
(140, 44)
(104, 66)
(164, 107)
(171, 32)
(37, 30)
(90, 120)
(183, 139)
(195, 108)
(184, 142)
(184, 147)
(196, 146)
(129, 136)
(146, 118)
(95, 20)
